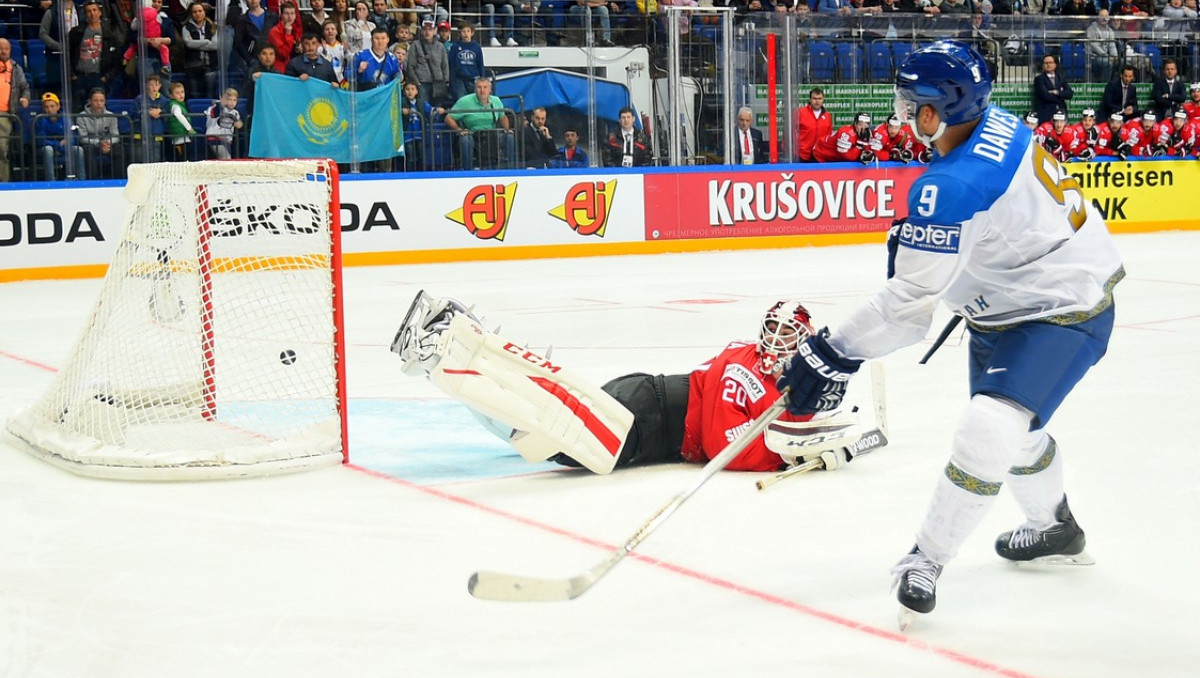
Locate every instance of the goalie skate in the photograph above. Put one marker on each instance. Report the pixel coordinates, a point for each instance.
(1059, 544)
(417, 338)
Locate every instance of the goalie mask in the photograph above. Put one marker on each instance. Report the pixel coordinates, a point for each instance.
(783, 328)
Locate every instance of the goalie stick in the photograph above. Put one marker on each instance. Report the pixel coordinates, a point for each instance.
(516, 588)
(866, 443)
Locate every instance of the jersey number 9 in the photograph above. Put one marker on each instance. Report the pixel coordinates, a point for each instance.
(1061, 186)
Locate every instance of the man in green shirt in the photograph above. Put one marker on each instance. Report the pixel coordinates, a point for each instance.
(481, 114)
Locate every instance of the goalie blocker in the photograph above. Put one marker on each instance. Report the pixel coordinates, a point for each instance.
(549, 412)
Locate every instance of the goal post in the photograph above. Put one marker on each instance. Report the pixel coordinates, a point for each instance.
(216, 346)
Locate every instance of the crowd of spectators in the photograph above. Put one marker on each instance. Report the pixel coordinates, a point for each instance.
(190, 69)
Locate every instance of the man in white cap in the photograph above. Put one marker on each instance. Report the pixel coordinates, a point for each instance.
(847, 143)
(1087, 135)
(1109, 135)
(1152, 136)
(1183, 136)
(1057, 137)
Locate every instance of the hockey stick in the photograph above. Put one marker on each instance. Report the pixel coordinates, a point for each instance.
(941, 338)
(516, 588)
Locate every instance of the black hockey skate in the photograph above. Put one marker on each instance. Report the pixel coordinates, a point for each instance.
(916, 585)
(1060, 544)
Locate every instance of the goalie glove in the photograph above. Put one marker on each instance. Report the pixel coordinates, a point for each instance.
(831, 460)
(816, 376)
(867, 156)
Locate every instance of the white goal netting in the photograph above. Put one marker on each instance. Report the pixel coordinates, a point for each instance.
(214, 349)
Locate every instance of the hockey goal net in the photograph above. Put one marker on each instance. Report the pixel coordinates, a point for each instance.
(215, 347)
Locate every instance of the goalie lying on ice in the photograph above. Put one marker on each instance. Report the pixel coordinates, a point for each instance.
(548, 412)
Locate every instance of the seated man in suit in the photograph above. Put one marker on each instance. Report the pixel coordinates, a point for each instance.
(751, 150)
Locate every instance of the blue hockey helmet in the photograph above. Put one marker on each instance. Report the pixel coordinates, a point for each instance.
(948, 75)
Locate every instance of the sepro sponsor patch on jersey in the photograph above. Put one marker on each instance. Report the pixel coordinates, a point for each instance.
(750, 383)
(930, 237)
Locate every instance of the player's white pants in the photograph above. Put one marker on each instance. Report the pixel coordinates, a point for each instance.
(992, 438)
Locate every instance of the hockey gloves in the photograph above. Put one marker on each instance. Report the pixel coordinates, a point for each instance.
(867, 156)
(817, 376)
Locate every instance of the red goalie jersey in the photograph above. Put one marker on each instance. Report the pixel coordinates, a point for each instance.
(725, 395)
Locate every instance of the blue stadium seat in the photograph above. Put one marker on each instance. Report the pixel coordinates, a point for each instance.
(36, 54)
(127, 110)
(1074, 62)
(900, 52)
(881, 61)
(1154, 52)
(199, 104)
(18, 55)
(821, 61)
(849, 61)
(439, 148)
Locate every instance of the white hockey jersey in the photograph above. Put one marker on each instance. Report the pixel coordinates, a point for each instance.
(1001, 233)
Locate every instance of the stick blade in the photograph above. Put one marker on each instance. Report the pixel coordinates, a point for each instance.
(517, 589)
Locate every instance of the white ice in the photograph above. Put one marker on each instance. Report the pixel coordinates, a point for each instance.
(346, 572)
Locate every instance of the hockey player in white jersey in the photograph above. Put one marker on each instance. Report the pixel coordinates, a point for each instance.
(1001, 233)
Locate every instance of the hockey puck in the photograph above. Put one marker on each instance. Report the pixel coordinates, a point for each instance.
(287, 357)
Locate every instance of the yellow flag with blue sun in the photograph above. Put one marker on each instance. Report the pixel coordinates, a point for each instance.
(310, 119)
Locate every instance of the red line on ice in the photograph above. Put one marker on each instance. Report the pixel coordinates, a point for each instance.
(914, 643)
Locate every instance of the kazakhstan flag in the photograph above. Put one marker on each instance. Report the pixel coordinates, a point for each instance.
(310, 119)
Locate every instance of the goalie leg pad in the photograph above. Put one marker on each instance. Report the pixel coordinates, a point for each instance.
(550, 408)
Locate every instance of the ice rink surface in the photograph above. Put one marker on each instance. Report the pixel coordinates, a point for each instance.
(362, 570)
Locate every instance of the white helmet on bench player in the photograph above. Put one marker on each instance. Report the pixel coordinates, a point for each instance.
(784, 326)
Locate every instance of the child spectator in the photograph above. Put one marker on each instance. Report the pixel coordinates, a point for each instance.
(222, 119)
(49, 137)
(466, 62)
(416, 113)
(401, 35)
(179, 127)
(155, 105)
(333, 51)
(150, 24)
